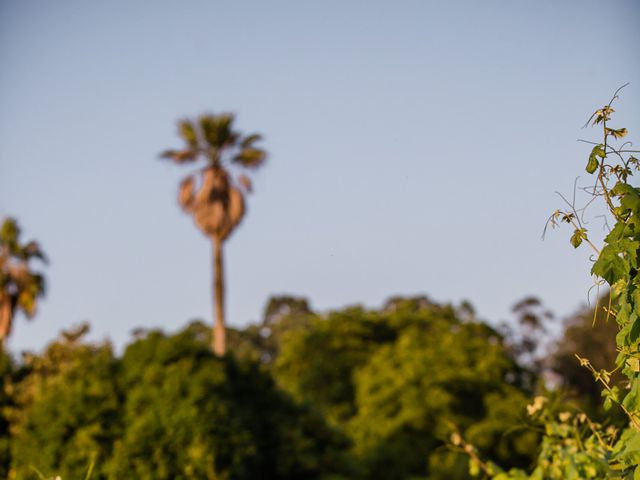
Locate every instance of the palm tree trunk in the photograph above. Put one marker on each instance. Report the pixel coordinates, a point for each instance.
(219, 341)
(5, 320)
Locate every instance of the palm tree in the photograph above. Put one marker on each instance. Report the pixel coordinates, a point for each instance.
(212, 195)
(20, 287)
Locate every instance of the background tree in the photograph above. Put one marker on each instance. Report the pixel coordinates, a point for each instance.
(438, 373)
(192, 415)
(282, 315)
(396, 379)
(528, 335)
(316, 364)
(168, 408)
(7, 369)
(66, 409)
(20, 287)
(591, 333)
(212, 195)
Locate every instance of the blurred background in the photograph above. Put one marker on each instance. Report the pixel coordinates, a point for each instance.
(413, 148)
(388, 286)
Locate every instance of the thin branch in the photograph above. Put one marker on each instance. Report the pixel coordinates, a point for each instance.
(615, 95)
(587, 141)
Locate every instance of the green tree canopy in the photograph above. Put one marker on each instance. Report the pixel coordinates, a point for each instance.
(167, 409)
(68, 409)
(396, 380)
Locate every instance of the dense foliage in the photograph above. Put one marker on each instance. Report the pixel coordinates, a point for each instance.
(353, 394)
(395, 380)
(68, 408)
(167, 409)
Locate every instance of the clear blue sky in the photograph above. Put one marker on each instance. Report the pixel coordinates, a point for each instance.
(415, 147)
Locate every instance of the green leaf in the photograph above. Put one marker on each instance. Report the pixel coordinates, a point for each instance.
(629, 249)
(592, 165)
(634, 332)
(632, 398)
(620, 189)
(627, 449)
(631, 201)
(616, 233)
(633, 363)
(603, 114)
(609, 266)
(579, 234)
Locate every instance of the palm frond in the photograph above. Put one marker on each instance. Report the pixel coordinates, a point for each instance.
(9, 232)
(29, 294)
(250, 157)
(180, 156)
(31, 250)
(249, 140)
(216, 129)
(187, 131)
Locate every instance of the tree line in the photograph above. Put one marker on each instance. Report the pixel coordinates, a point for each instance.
(353, 393)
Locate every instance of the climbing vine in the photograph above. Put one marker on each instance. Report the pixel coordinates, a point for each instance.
(574, 447)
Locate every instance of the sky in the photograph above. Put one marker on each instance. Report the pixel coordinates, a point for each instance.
(415, 147)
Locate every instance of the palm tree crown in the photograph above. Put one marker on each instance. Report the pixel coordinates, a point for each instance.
(218, 204)
(20, 287)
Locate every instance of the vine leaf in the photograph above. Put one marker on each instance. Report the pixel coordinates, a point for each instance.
(619, 133)
(579, 234)
(598, 151)
(609, 265)
(604, 114)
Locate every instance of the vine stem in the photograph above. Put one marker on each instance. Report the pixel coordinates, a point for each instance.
(605, 190)
(598, 377)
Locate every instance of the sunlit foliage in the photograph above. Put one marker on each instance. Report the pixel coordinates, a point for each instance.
(574, 446)
(395, 381)
(167, 409)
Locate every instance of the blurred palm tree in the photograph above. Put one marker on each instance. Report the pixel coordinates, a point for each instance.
(212, 195)
(20, 287)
